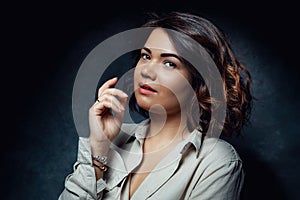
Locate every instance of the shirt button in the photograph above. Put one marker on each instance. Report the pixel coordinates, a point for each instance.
(86, 153)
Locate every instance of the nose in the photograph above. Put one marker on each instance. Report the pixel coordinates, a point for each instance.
(148, 71)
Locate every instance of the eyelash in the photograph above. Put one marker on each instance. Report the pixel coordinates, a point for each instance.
(173, 65)
(145, 56)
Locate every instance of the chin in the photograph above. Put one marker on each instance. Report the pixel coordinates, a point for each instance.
(143, 102)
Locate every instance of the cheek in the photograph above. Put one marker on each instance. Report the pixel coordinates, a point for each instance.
(136, 73)
(177, 85)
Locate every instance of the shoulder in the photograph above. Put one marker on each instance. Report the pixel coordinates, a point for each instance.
(217, 150)
(220, 173)
(219, 160)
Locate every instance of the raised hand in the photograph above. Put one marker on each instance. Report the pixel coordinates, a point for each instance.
(104, 125)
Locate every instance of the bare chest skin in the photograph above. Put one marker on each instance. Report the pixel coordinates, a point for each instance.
(151, 158)
(147, 165)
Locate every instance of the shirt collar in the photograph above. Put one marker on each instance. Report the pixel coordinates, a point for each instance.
(139, 132)
(194, 139)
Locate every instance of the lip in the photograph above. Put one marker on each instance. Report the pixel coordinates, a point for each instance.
(146, 89)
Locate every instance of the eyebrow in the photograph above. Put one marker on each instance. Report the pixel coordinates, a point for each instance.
(165, 54)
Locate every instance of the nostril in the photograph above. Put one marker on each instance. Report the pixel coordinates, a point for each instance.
(148, 73)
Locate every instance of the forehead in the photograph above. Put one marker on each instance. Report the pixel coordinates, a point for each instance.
(159, 39)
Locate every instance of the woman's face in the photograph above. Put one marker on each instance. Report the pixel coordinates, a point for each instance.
(160, 78)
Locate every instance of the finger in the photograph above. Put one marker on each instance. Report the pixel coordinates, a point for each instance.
(108, 102)
(115, 92)
(114, 100)
(120, 115)
(123, 101)
(106, 85)
(102, 108)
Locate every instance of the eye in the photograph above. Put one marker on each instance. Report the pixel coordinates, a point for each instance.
(145, 56)
(170, 64)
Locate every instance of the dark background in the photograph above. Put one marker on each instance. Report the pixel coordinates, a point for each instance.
(45, 43)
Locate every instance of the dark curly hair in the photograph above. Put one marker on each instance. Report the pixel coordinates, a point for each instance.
(235, 76)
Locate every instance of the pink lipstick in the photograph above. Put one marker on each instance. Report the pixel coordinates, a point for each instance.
(146, 89)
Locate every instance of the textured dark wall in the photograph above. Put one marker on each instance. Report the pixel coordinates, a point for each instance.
(50, 41)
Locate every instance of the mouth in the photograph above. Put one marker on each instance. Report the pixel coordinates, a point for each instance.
(146, 88)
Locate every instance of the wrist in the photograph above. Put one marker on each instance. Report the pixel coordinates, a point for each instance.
(100, 162)
(99, 147)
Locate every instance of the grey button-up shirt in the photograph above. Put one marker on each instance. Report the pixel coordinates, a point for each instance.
(194, 169)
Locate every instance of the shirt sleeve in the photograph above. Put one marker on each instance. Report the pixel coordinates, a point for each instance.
(223, 181)
(82, 184)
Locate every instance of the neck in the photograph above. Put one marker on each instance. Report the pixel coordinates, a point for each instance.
(167, 127)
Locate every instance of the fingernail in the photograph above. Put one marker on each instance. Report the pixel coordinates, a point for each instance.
(124, 95)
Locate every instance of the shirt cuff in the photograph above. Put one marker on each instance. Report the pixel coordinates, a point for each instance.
(84, 151)
(101, 185)
(84, 156)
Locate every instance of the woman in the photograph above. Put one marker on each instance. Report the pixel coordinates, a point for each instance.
(169, 155)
